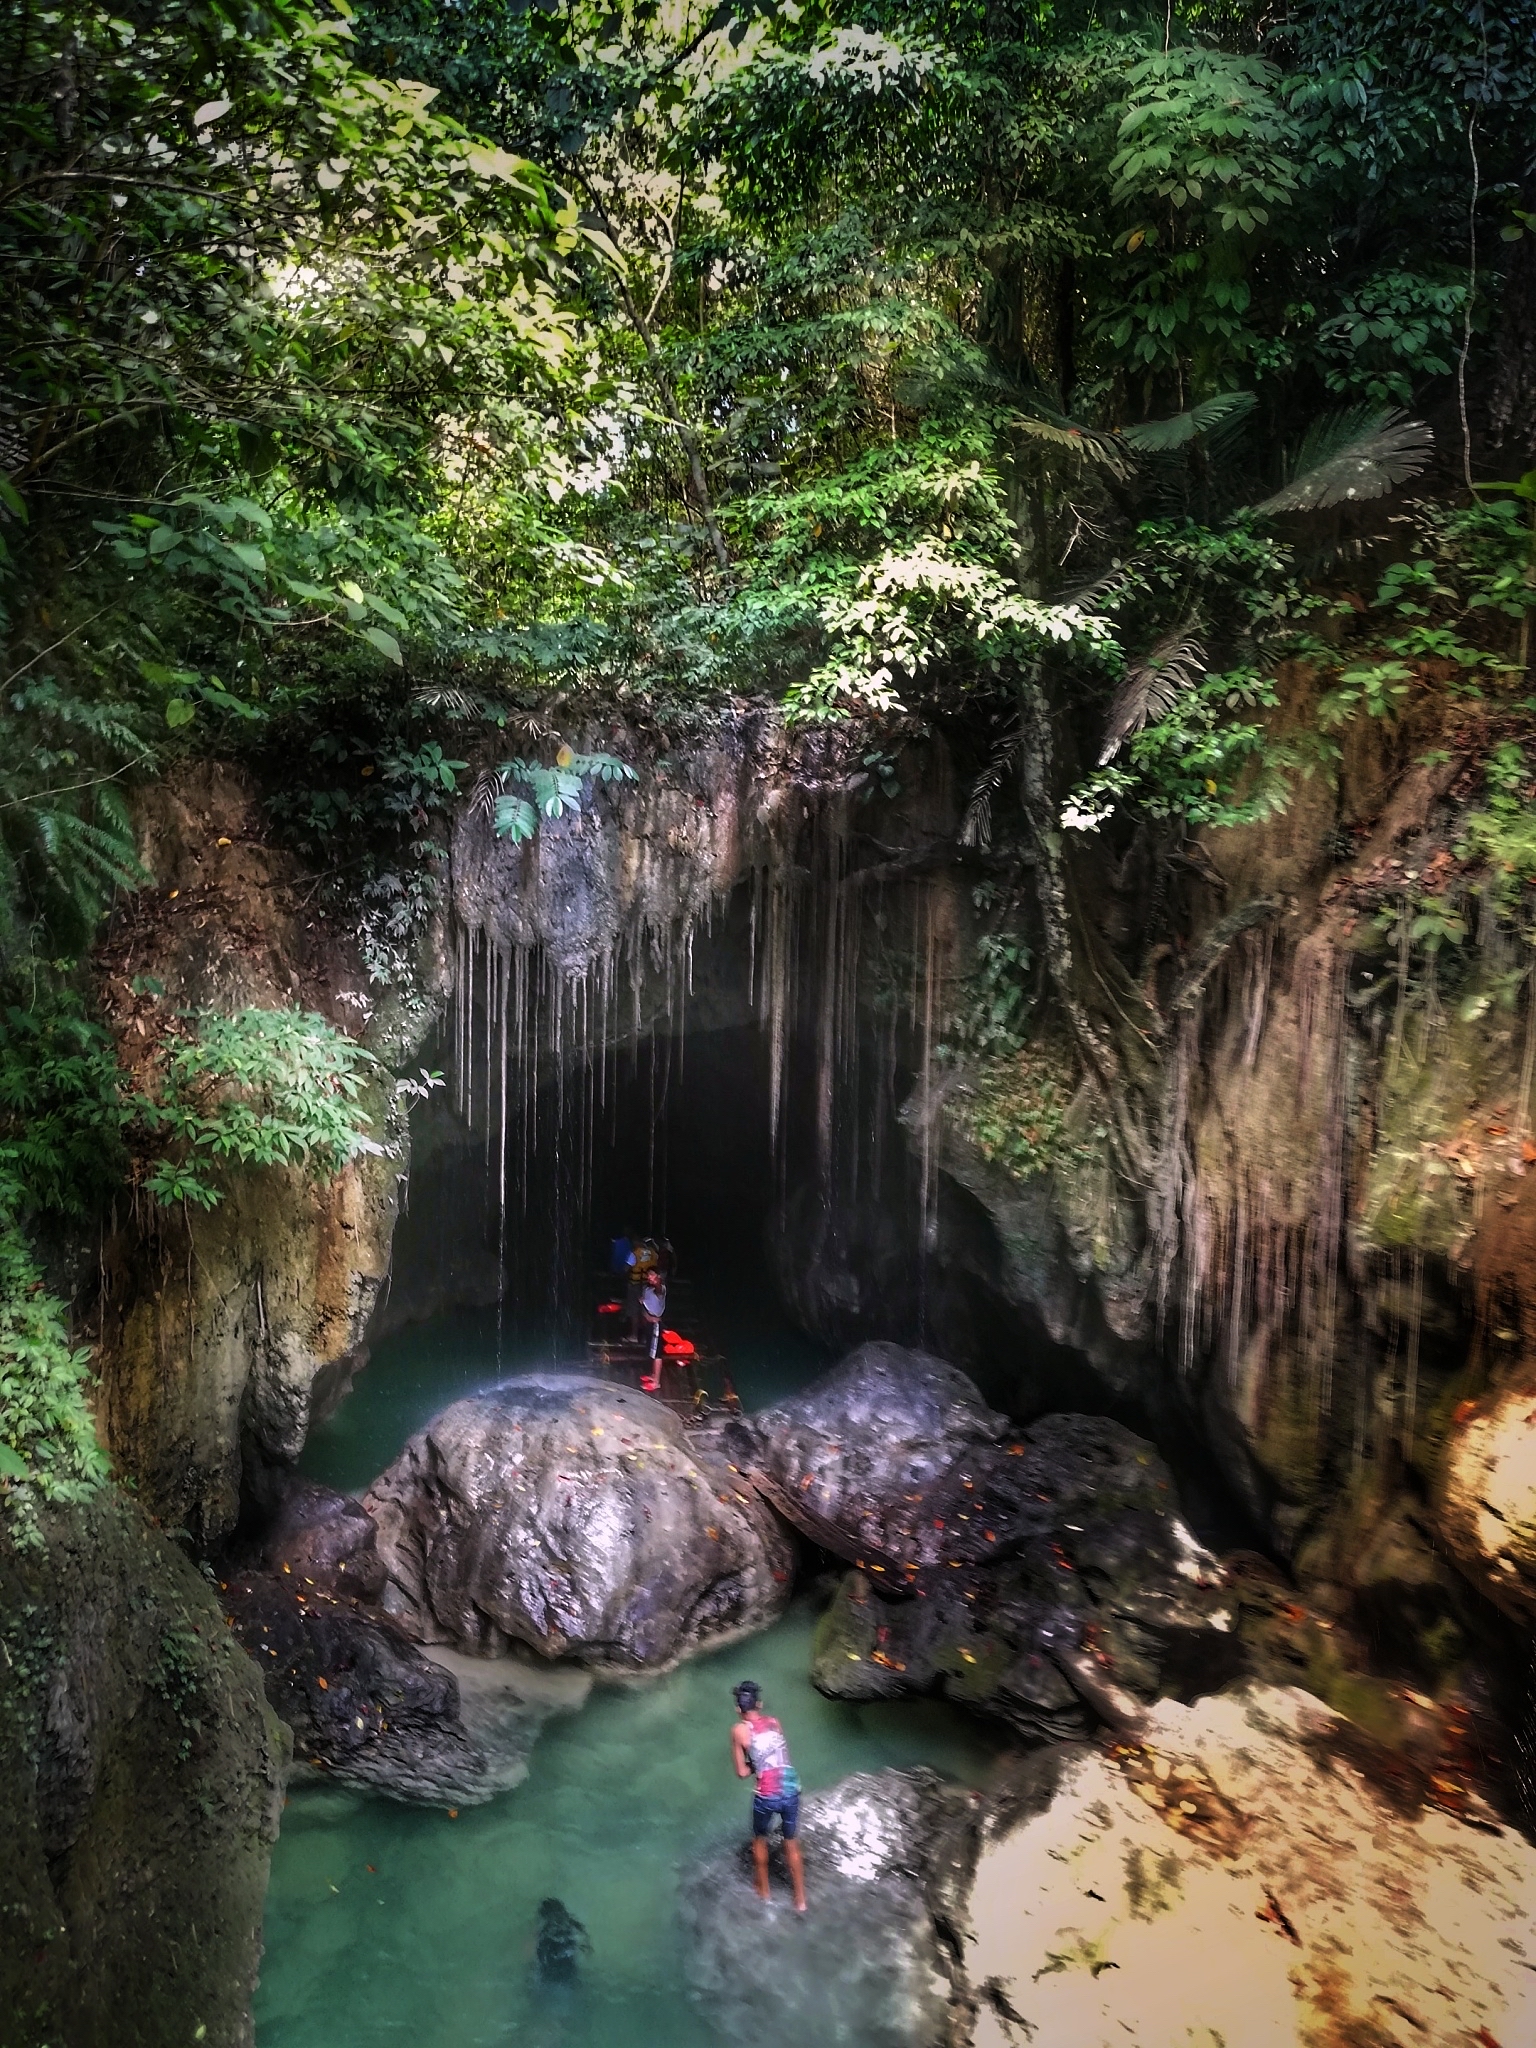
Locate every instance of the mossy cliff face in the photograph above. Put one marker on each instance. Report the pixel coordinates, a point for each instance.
(1330, 1264)
(142, 1776)
(645, 859)
(233, 1326)
(222, 1331)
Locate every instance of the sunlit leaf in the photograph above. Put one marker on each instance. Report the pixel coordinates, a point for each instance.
(386, 643)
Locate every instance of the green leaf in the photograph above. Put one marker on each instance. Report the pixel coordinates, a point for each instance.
(386, 643)
(179, 712)
(12, 1467)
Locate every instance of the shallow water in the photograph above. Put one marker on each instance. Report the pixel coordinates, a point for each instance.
(388, 1923)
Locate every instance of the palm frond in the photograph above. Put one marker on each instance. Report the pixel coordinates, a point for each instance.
(1104, 449)
(976, 830)
(1152, 686)
(1350, 456)
(445, 697)
(489, 786)
(1223, 411)
(1087, 596)
(1022, 408)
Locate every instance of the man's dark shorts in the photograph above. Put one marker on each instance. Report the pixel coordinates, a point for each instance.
(785, 1804)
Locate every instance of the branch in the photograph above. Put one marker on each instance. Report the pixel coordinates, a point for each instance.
(667, 390)
(944, 853)
(1218, 941)
(42, 654)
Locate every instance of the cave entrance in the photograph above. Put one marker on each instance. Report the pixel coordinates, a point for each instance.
(672, 1140)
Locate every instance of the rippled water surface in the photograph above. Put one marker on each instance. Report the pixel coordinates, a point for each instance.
(393, 1923)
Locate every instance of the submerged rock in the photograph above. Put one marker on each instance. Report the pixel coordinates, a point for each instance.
(1041, 1575)
(870, 1964)
(576, 1517)
(1251, 1872)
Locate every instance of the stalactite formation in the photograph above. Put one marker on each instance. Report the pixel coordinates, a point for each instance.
(846, 985)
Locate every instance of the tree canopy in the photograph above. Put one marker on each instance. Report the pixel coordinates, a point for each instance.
(375, 382)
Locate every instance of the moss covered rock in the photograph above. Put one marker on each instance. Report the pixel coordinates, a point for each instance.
(142, 1776)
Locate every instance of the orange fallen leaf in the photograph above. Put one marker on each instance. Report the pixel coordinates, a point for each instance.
(323, 1684)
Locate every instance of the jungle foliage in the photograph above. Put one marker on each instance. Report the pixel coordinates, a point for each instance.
(391, 395)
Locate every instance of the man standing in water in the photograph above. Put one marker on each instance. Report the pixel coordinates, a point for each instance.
(760, 1751)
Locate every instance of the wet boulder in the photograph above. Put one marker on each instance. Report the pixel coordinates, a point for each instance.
(325, 1540)
(1042, 1575)
(578, 1518)
(852, 1458)
(871, 1964)
(361, 1699)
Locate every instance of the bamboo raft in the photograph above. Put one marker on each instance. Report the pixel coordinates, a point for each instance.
(691, 1377)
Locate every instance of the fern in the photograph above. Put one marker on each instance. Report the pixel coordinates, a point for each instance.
(66, 832)
(1152, 686)
(976, 829)
(48, 1447)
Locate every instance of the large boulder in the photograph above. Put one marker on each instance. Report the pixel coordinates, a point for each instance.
(1253, 1872)
(141, 1777)
(361, 1699)
(578, 1518)
(1041, 1575)
(856, 1458)
(871, 1964)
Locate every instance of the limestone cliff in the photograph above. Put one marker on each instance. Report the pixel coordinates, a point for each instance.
(222, 1331)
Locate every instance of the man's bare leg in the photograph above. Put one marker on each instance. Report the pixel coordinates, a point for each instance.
(796, 1873)
(760, 1864)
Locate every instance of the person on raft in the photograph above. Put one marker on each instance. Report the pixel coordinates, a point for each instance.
(642, 1256)
(653, 1306)
(760, 1752)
